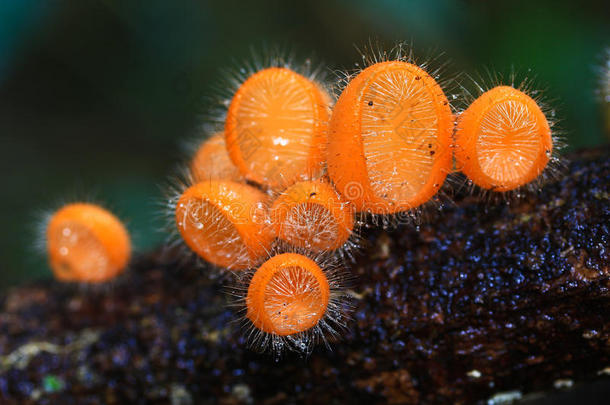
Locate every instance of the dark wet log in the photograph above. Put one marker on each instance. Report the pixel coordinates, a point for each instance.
(483, 299)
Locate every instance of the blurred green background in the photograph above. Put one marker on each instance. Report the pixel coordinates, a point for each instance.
(97, 95)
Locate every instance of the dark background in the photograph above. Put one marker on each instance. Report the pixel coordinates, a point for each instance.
(97, 96)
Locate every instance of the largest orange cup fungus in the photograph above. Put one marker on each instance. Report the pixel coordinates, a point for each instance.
(86, 243)
(503, 140)
(288, 294)
(389, 146)
(276, 128)
(226, 223)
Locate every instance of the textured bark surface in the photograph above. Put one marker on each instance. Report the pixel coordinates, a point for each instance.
(482, 299)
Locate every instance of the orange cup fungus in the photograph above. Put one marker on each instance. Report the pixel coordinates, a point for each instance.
(212, 162)
(312, 215)
(287, 295)
(276, 128)
(389, 147)
(86, 243)
(225, 223)
(503, 140)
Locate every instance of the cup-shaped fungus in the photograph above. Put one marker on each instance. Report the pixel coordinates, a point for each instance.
(86, 243)
(276, 127)
(503, 140)
(225, 223)
(211, 161)
(288, 294)
(389, 147)
(312, 215)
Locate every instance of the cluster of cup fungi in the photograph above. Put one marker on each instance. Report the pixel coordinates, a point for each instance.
(276, 196)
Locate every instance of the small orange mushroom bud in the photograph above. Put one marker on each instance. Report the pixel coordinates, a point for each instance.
(86, 243)
(288, 294)
(503, 140)
(225, 223)
(276, 127)
(389, 147)
(312, 215)
(212, 162)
